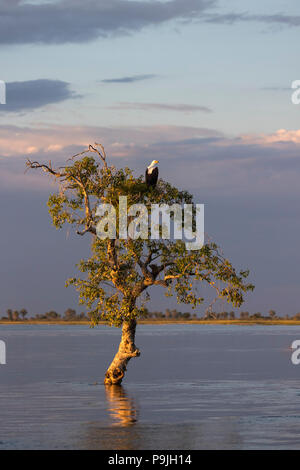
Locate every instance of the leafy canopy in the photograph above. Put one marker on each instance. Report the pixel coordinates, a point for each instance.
(118, 272)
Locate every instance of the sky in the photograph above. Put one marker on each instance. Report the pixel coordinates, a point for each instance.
(203, 86)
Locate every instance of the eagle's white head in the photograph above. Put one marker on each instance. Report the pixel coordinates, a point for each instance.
(153, 164)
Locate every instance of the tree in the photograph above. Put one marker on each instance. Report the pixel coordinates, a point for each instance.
(272, 314)
(23, 312)
(186, 315)
(256, 315)
(168, 313)
(119, 271)
(70, 314)
(244, 315)
(9, 314)
(52, 315)
(15, 315)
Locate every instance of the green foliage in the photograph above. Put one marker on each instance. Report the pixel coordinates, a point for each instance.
(119, 272)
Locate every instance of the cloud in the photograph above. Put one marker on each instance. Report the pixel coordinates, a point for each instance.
(231, 18)
(58, 143)
(280, 136)
(186, 108)
(16, 140)
(276, 88)
(75, 21)
(199, 159)
(287, 20)
(32, 94)
(132, 79)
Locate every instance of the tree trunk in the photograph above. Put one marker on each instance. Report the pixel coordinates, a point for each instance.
(126, 351)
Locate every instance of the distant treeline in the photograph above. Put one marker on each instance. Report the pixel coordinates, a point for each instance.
(71, 315)
(175, 315)
(22, 315)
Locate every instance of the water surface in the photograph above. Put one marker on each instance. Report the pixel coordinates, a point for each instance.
(194, 387)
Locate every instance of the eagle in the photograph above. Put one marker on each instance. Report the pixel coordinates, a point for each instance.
(151, 175)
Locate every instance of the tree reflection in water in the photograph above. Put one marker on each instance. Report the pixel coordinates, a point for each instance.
(160, 426)
(120, 432)
(121, 408)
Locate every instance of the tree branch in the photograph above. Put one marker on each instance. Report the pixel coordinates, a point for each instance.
(45, 168)
(101, 155)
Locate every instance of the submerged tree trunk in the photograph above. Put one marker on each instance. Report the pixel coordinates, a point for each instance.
(126, 351)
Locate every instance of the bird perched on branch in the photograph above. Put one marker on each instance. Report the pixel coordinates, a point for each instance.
(151, 175)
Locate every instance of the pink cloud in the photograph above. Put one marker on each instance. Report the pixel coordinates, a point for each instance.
(121, 142)
(25, 141)
(281, 135)
(202, 157)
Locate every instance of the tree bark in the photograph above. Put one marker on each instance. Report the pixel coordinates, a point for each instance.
(127, 349)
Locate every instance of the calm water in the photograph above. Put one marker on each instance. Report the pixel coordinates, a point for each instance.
(194, 387)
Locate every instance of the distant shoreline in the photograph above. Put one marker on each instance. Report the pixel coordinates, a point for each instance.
(159, 322)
